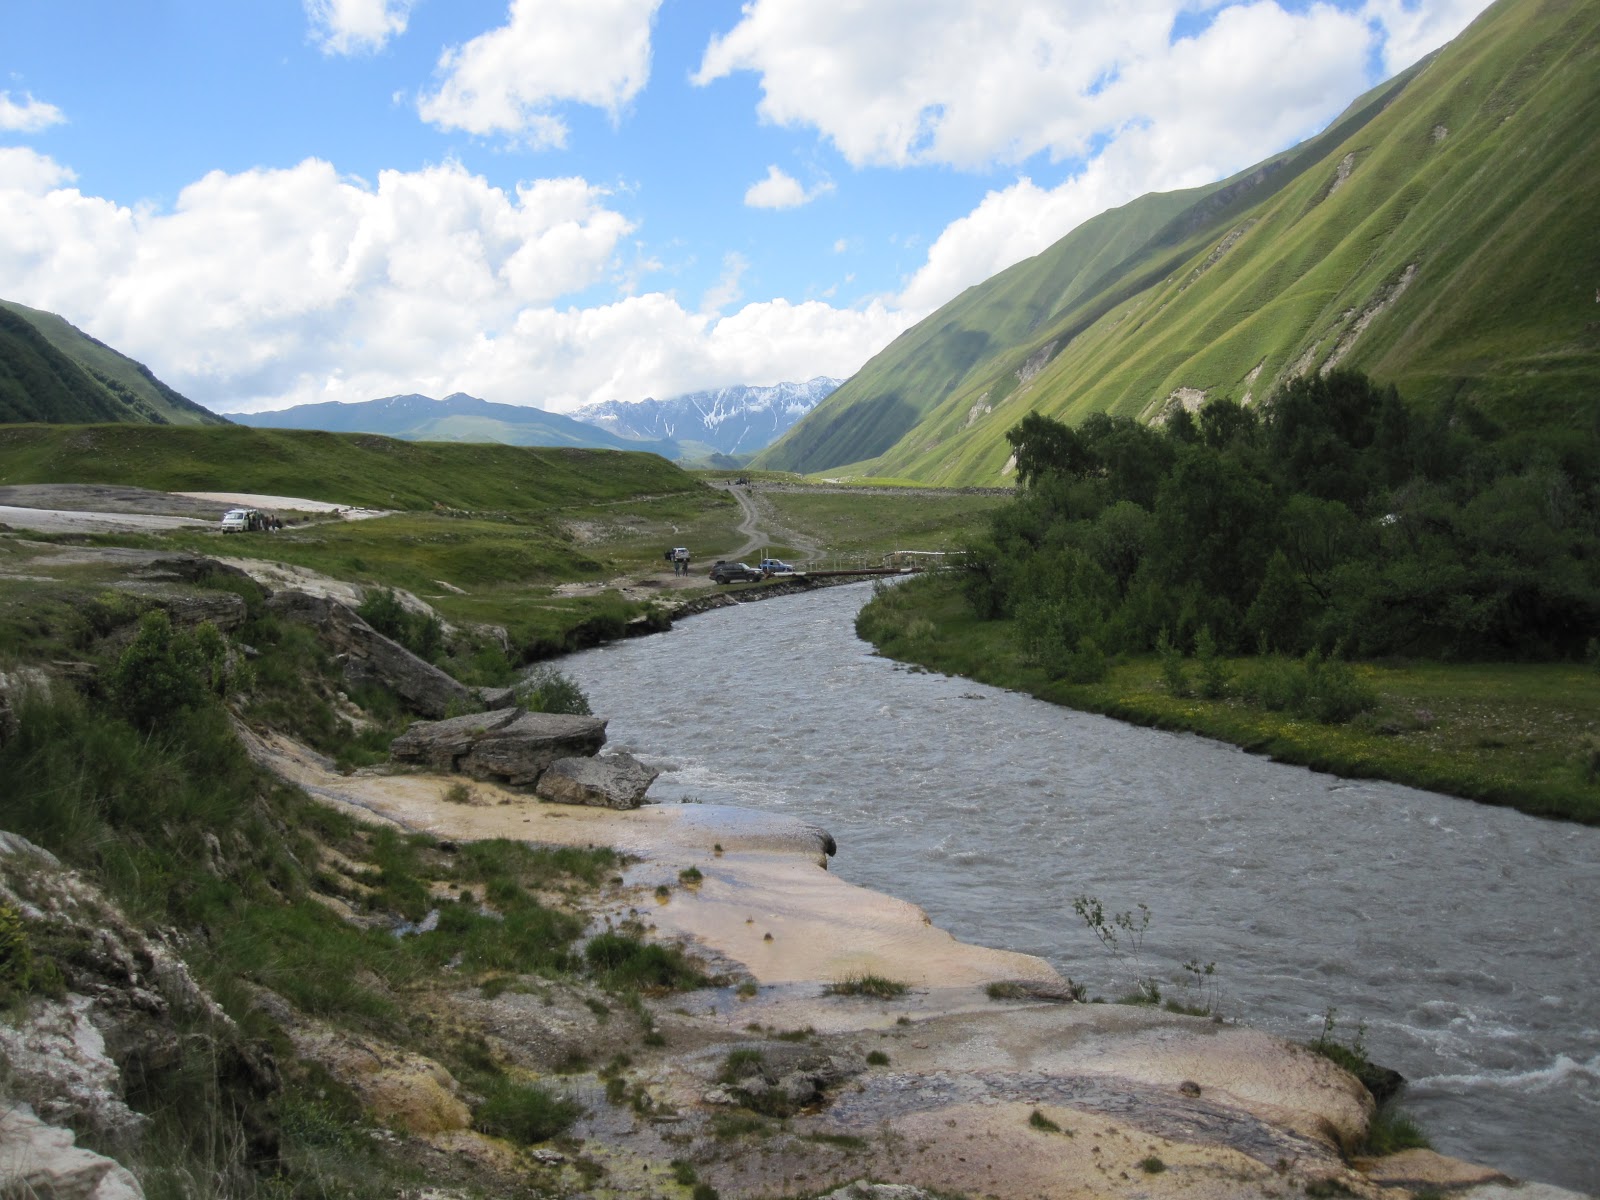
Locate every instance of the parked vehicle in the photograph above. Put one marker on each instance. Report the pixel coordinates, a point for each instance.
(735, 572)
(238, 520)
(776, 566)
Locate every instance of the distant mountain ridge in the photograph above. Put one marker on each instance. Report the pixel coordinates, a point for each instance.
(53, 372)
(1441, 235)
(456, 418)
(730, 420)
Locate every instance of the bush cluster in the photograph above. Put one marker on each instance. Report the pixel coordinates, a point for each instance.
(422, 634)
(1331, 514)
(548, 690)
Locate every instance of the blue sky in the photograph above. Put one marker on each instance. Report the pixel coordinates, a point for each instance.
(556, 202)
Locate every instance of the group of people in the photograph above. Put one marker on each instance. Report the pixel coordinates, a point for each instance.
(678, 556)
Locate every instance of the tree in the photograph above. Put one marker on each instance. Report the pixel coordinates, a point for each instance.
(1045, 446)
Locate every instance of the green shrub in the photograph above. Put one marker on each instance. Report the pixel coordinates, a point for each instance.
(619, 961)
(1336, 692)
(1037, 1120)
(525, 1112)
(420, 633)
(1086, 663)
(1214, 673)
(16, 954)
(1326, 690)
(548, 690)
(1392, 1130)
(1173, 674)
(164, 670)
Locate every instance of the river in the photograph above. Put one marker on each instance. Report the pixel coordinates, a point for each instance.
(1463, 937)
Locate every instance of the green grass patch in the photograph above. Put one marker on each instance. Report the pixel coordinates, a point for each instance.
(728, 1126)
(360, 470)
(876, 522)
(624, 962)
(525, 1112)
(876, 986)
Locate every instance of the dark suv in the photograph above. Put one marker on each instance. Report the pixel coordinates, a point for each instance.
(734, 572)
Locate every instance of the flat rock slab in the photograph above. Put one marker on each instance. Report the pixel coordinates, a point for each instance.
(1426, 1169)
(519, 752)
(612, 781)
(440, 745)
(508, 745)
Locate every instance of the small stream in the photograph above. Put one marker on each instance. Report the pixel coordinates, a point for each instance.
(1463, 937)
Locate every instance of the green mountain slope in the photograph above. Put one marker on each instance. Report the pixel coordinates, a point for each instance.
(1441, 236)
(457, 418)
(39, 383)
(114, 387)
(359, 469)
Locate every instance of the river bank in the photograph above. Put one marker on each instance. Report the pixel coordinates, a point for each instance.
(1011, 1098)
(1521, 735)
(1449, 930)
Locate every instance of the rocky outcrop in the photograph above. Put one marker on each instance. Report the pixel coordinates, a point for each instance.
(781, 1078)
(124, 1006)
(507, 745)
(369, 657)
(225, 610)
(609, 781)
(43, 1161)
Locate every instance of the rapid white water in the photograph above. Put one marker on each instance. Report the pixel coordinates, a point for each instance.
(1462, 936)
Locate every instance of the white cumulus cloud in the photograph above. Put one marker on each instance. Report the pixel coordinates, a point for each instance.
(782, 190)
(505, 82)
(1411, 30)
(356, 26)
(267, 288)
(27, 115)
(1255, 79)
(904, 82)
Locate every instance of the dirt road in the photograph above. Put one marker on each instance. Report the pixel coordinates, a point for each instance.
(755, 515)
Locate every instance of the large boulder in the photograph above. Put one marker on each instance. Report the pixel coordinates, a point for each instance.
(517, 753)
(369, 657)
(610, 781)
(507, 745)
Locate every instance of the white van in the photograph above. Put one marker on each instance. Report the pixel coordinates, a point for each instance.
(236, 520)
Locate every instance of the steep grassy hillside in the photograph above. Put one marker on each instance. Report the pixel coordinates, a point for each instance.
(355, 469)
(39, 383)
(118, 389)
(1440, 236)
(944, 354)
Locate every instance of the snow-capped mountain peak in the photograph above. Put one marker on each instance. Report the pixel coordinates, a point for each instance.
(731, 420)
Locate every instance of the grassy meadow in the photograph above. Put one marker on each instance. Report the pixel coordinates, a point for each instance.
(879, 521)
(1524, 735)
(355, 469)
